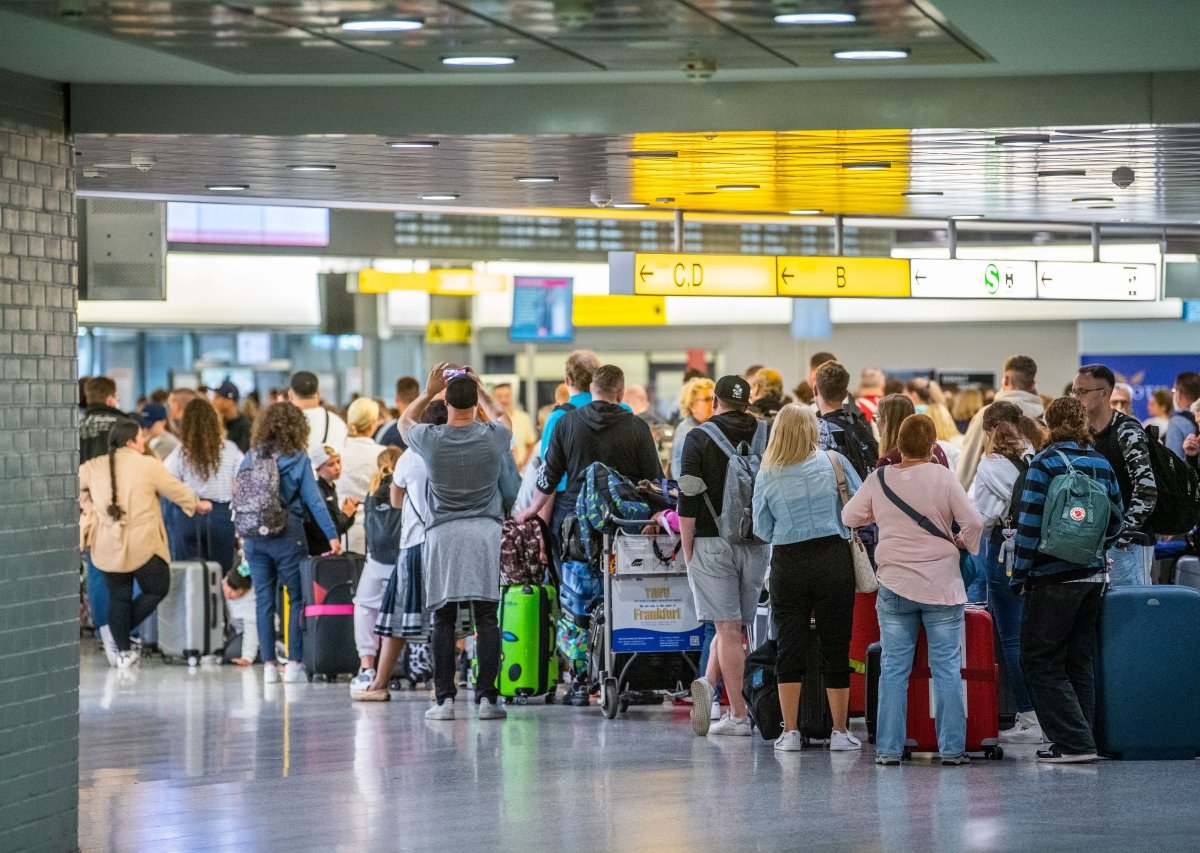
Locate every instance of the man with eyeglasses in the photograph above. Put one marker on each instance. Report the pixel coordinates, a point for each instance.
(1182, 423)
(1123, 442)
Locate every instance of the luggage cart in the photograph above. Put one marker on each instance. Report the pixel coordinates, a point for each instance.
(650, 635)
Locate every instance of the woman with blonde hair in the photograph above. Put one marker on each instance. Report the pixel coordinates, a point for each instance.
(696, 407)
(893, 409)
(966, 407)
(797, 508)
(359, 462)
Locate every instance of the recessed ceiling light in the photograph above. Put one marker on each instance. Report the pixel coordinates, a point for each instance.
(811, 212)
(1062, 173)
(478, 61)
(93, 173)
(921, 193)
(439, 197)
(868, 55)
(630, 205)
(1023, 139)
(414, 143)
(737, 188)
(1101, 207)
(537, 179)
(226, 188)
(1091, 199)
(312, 167)
(966, 216)
(652, 155)
(816, 18)
(384, 25)
(867, 166)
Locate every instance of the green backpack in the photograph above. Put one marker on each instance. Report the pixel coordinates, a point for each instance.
(1075, 517)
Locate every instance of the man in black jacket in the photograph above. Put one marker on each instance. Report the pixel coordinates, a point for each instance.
(601, 431)
(726, 578)
(100, 392)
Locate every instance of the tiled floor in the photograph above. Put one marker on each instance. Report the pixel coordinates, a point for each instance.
(173, 759)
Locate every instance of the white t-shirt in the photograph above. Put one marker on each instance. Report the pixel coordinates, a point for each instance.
(411, 475)
(324, 427)
(217, 488)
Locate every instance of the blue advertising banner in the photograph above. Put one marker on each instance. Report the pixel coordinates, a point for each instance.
(1146, 373)
(542, 309)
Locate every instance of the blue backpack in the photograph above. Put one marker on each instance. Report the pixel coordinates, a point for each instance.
(1075, 517)
(606, 495)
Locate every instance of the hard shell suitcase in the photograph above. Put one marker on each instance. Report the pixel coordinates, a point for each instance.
(528, 663)
(865, 632)
(1147, 680)
(1187, 571)
(191, 619)
(980, 677)
(327, 620)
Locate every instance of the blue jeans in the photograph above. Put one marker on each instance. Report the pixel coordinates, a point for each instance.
(1006, 608)
(97, 593)
(202, 537)
(899, 622)
(977, 592)
(275, 561)
(1130, 565)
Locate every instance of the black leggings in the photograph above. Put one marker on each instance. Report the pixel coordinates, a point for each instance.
(487, 649)
(126, 612)
(810, 579)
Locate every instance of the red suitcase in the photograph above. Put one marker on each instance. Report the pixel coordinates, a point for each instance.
(866, 631)
(980, 677)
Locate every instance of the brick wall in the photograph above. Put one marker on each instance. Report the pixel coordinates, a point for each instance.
(39, 563)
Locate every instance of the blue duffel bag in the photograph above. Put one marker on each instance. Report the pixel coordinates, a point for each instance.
(580, 589)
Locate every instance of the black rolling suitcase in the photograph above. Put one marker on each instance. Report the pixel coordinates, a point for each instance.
(816, 721)
(327, 620)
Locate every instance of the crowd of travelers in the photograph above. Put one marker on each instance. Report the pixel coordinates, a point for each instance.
(943, 494)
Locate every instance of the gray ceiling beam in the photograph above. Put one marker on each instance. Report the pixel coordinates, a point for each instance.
(1074, 100)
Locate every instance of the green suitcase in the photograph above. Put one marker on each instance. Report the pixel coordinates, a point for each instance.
(528, 662)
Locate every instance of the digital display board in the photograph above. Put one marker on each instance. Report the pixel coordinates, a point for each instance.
(542, 308)
(247, 224)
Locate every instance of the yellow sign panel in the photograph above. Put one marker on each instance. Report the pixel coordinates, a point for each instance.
(620, 311)
(839, 276)
(703, 275)
(437, 282)
(448, 332)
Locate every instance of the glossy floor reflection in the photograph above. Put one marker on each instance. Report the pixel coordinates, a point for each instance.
(208, 759)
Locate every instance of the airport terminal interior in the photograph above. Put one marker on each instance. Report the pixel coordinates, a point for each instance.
(304, 201)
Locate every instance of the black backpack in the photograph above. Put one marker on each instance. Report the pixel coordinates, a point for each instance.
(1177, 510)
(1013, 513)
(854, 439)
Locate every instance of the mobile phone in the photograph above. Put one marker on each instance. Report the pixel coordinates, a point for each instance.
(451, 372)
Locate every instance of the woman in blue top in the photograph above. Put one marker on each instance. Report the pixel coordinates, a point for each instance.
(797, 509)
(282, 430)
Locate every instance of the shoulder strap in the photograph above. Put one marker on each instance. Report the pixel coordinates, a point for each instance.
(758, 446)
(714, 432)
(1066, 461)
(840, 474)
(1019, 462)
(922, 522)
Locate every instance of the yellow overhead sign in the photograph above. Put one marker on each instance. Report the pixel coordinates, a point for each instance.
(620, 311)
(437, 282)
(448, 332)
(840, 276)
(702, 275)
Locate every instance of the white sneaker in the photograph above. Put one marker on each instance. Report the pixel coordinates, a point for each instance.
(270, 673)
(731, 726)
(127, 660)
(110, 645)
(490, 709)
(362, 681)
(789, 742)
(442, 711)
(702, 702)
(293, 672)
(716, 711)
(843, 742)
(1026, 730)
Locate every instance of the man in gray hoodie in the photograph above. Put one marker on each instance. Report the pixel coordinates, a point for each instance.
(1019, 386)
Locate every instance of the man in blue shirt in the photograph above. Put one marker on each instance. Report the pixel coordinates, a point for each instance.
(577, 374)
(1183, 422)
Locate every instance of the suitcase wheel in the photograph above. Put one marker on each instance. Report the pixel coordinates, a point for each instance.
(611, 699)
(906, 755)
(520, 700)
(193, 660)
(310, 678)
(994, 753)
(550, 697)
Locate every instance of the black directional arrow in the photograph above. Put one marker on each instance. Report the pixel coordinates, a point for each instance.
(1045, 278)
(645, 272)
(919, 277)
(786, 276)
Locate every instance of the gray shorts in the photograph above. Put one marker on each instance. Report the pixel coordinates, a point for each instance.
(726, 580)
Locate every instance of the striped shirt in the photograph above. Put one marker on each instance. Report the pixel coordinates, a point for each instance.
(219, 487)
(1045, 467)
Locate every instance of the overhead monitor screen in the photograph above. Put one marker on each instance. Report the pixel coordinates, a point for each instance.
(542, 309)
(247, 224)
(254, 347)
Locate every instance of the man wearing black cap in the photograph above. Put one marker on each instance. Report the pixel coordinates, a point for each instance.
(324, 427)
(726, 578)
(154, 426)
(461, 554)
(237, 425)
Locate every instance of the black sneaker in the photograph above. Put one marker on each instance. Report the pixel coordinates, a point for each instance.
(579, 696)
(1055, 756)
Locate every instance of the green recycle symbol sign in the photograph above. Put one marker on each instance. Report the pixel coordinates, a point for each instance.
(991, 278)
